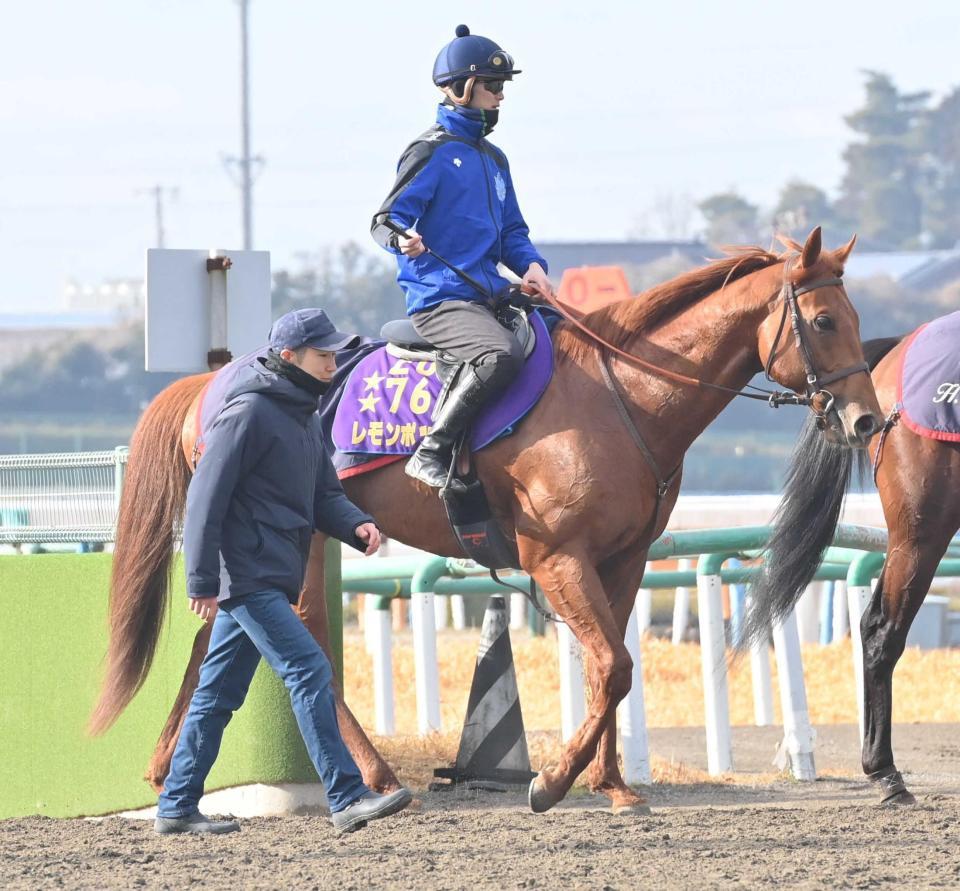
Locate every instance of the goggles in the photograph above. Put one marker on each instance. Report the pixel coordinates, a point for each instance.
(492, 86)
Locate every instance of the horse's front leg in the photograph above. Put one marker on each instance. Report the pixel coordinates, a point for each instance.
(573, 587)
(312, 609)
(620, 581)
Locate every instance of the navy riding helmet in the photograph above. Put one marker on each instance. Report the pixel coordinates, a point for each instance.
(470, 55)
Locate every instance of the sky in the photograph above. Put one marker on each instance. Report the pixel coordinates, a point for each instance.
(622, 108)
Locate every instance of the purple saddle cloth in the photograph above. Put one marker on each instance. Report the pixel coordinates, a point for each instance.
(930, 380)
(387, 403)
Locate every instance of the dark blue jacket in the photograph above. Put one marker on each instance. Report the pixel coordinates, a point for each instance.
(455, 188)
(265, 482)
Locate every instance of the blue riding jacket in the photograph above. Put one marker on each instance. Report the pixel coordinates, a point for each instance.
(454, 187)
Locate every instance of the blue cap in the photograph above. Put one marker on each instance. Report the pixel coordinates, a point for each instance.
(308, 328)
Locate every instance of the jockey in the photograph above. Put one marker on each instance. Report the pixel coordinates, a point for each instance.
(454, 194)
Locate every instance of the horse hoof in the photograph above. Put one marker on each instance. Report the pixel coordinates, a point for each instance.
(539, 798)
(900, 799)
(639, 809)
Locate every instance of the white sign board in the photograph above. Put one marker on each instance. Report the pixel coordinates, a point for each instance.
(178, 323)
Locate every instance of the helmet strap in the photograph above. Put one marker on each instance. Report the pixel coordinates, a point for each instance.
(467, 92)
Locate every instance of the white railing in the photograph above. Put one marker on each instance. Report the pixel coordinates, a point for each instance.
(62, 497)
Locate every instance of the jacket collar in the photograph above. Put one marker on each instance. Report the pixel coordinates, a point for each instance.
(465, 122)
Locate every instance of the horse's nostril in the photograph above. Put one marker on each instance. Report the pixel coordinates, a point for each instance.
(866, 426)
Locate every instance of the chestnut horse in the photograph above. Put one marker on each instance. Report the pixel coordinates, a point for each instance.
(584, 485)
(918, 480)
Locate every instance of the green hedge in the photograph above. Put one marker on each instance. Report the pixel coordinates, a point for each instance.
(53, 639)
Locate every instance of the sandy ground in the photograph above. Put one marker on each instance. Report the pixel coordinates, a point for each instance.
(761, 830)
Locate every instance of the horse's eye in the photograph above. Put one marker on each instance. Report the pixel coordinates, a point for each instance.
(823, 323)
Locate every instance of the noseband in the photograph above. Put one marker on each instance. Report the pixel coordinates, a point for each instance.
(820, 400)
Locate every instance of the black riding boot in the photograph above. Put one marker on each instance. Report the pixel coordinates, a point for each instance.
(431, 462)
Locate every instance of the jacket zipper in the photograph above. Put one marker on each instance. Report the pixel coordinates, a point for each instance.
(493, 219)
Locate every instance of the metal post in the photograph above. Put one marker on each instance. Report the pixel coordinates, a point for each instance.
(380, 617)
(518, 611)
(458, 612)
(119, 475)
(713, 656)
(632, 714)
(573, 707)
(826, 613)
(422, 617)
(797, 742)
(217, 265)
(440, 613)
(681, 606)
(643, 606)
(841, 613)
(738, 600)
(246, 177)
(808, 614)
(760, 676)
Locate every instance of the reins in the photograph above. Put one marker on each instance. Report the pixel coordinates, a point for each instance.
(774, 398)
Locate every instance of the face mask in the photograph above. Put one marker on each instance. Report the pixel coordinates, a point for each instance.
(487, 118)
(294, 374)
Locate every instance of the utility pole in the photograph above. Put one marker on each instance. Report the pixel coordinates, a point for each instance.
(157, 193)
(246, 164)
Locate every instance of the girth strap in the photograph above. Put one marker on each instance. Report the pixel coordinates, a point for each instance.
(663, 483)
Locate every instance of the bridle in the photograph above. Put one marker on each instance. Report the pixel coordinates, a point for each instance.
(820, 400)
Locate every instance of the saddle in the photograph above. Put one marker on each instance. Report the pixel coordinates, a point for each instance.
(404, 342)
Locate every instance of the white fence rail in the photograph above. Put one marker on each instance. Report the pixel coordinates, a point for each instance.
(63, 497)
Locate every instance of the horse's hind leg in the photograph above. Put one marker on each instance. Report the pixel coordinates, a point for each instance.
(603, 775)
(574, 589)
(903, 584)
(159, 765)
(918, 491)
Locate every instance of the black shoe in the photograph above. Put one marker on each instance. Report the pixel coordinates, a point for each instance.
(194, 823)
(370, 806)
(431, 462)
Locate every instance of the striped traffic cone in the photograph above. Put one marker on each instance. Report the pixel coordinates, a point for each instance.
(493, 747)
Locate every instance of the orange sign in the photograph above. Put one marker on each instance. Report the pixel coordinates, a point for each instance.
(590, 287)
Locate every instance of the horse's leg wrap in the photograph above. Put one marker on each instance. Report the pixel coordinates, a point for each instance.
(892, 788)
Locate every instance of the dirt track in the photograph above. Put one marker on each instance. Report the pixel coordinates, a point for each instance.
(706, 835)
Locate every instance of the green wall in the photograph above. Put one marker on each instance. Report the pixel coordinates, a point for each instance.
(53, 639)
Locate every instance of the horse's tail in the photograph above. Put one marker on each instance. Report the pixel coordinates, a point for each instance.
(803, 527)
(152, 503)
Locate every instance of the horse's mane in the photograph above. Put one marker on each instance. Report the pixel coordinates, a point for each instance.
(620, 321)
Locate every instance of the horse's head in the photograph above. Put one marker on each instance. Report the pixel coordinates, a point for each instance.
(810, 342)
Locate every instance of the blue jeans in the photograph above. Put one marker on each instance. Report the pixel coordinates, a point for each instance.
(246, 628)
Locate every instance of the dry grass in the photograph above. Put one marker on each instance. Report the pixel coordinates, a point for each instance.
(927, 689)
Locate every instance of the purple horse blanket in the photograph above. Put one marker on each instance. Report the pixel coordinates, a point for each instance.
(387, 405)
(930, 380)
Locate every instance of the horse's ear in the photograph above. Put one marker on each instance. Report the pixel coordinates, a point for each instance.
(844, 252)
(789, 243)
(811, 250)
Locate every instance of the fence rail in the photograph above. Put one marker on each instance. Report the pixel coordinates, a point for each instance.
(61, 497)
